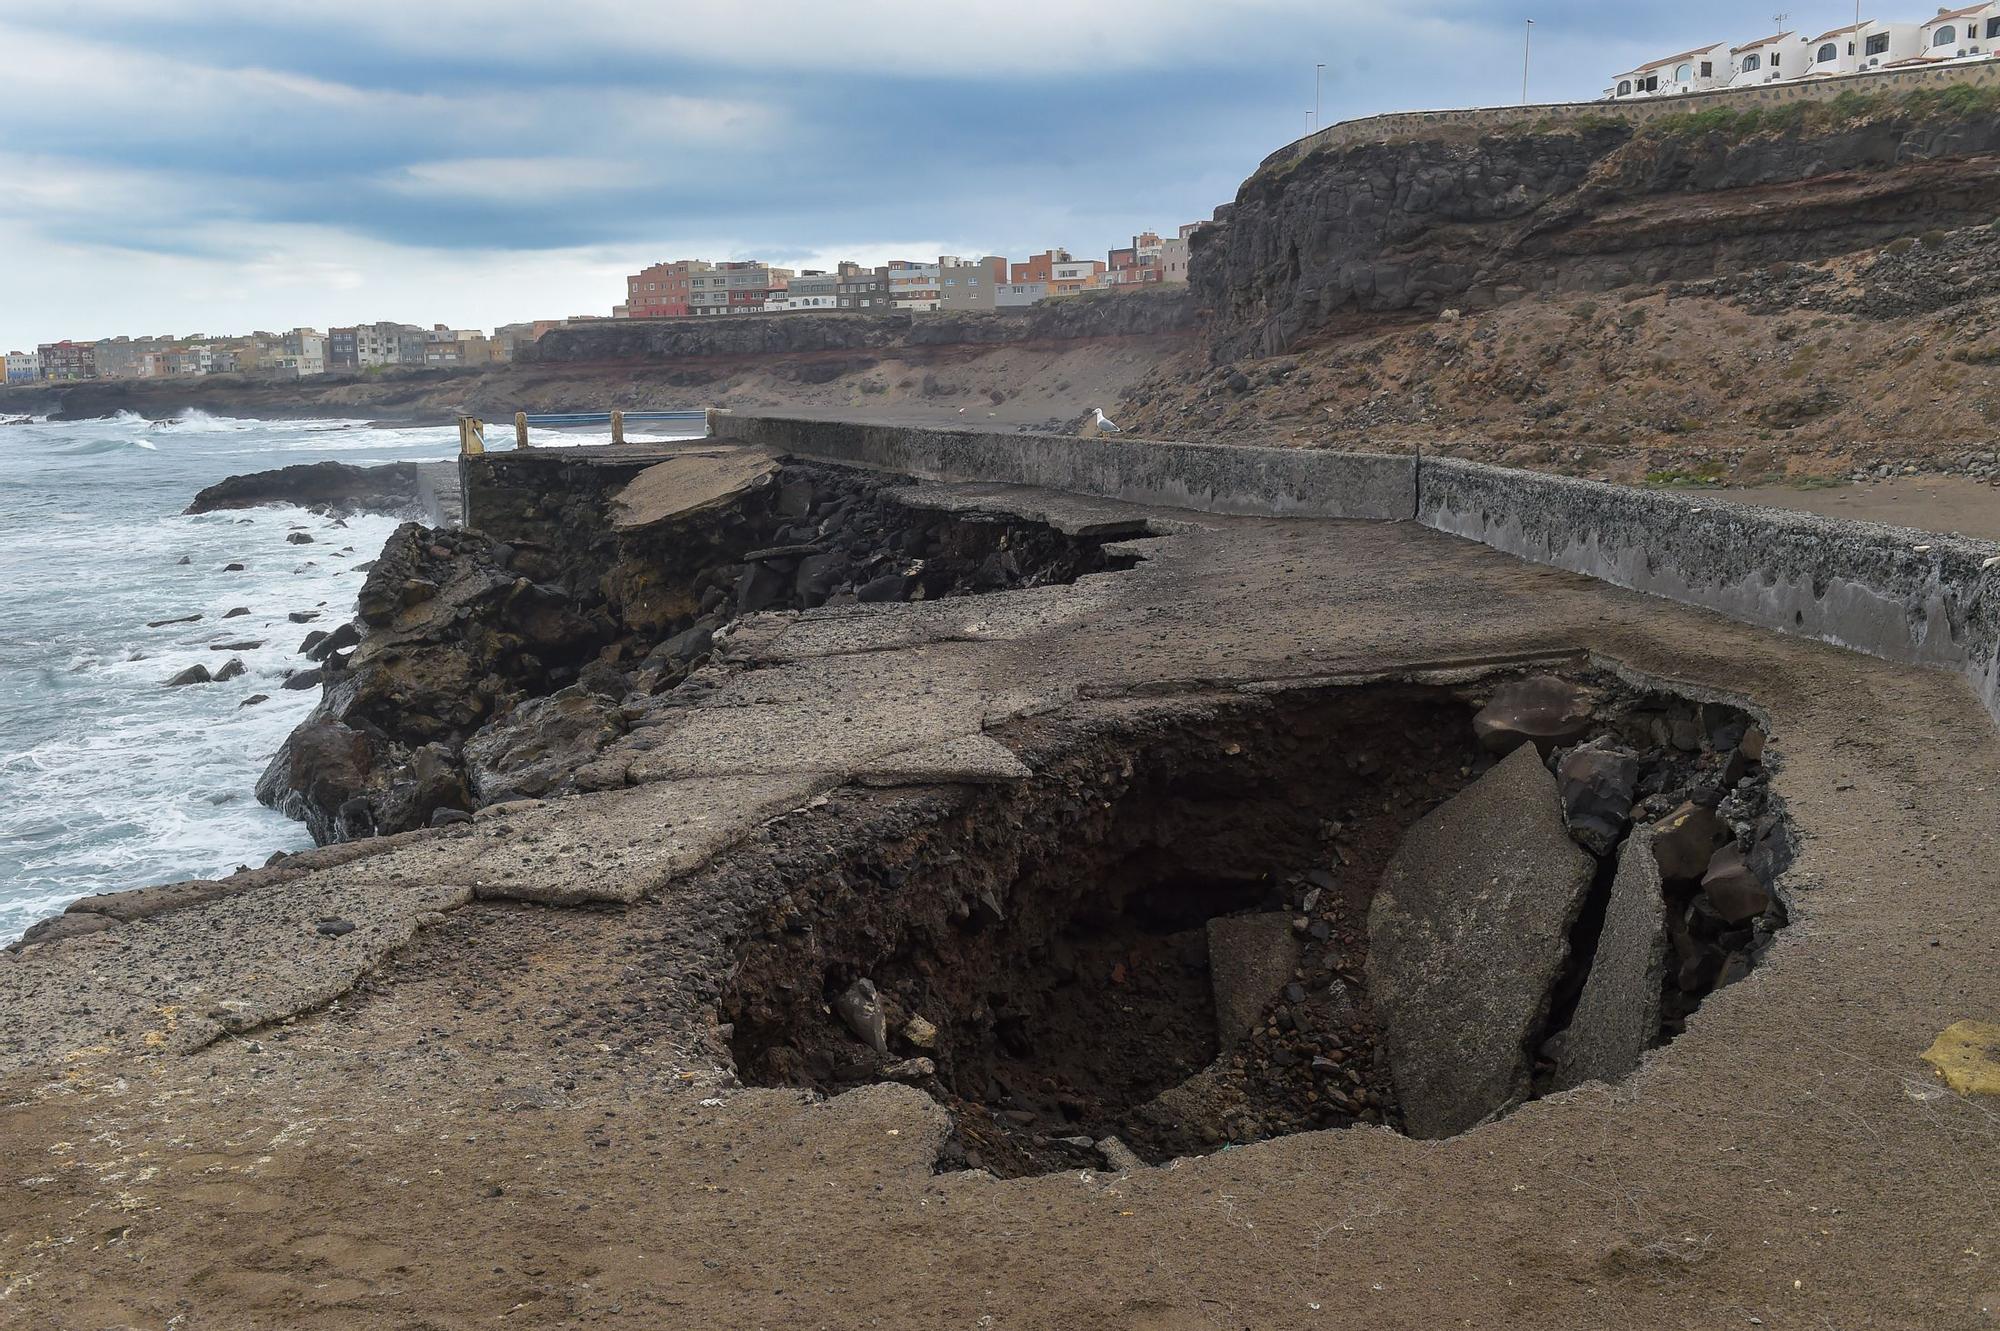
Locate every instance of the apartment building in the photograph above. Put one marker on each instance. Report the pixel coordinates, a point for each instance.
(810, 290)
(970, 284)
(66, 361)
(1961, 33)
(1174, 257)
(663, 290)
(1859, 46)
(302, 352)
(23, 367)
(860, 288)
(913, 286)
(1014, 295)
(1074, 275)
(1037, 268)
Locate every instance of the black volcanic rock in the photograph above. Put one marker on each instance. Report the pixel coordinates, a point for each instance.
(333, 487)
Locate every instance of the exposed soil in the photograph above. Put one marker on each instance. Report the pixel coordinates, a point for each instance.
(1040, 959)
(1796, 373)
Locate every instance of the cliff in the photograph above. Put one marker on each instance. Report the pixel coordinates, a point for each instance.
(1342, 236)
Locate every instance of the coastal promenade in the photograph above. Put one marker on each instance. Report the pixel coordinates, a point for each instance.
(498, 1072)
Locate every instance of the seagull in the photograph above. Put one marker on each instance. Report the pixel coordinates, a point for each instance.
(1104, 422)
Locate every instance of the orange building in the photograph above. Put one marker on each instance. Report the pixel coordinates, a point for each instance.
(661, 291)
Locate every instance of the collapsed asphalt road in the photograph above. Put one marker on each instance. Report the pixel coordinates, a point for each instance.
(506, 1095)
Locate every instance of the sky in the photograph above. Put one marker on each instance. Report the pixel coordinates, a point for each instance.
(228, 165)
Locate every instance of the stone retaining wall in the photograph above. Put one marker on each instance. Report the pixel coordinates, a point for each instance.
(1891, 592)
(1408, 124)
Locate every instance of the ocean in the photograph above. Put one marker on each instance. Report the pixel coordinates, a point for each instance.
(108, 778)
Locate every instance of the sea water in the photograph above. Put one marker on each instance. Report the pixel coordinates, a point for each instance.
(109, 779)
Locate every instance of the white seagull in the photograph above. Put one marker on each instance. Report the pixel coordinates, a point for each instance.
(1105, 425)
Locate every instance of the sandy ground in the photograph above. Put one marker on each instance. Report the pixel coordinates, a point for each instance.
(476, 1112)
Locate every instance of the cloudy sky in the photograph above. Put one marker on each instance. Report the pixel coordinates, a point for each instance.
(230, 164)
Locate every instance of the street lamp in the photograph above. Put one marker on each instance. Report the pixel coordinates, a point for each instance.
(1527, 50)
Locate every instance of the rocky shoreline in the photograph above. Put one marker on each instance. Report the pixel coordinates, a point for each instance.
(480, 670)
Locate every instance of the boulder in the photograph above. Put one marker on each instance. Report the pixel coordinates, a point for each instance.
(535, 749)
(1250, 958)
(1618, 1014)
(231, 669)
(1467, 937)
(1542, 709)
(1685, 839)
(194, 674)
(860, 1007)
(236, 612)
(1597, 780)
(305, 679)
(1733, 888)
(298, 538)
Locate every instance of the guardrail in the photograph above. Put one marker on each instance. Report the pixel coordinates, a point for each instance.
(472, 430)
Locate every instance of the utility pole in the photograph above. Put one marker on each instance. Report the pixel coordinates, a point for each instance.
(1320, 69)
(1527, 50)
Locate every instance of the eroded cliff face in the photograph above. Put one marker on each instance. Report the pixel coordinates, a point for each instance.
(1348, 236)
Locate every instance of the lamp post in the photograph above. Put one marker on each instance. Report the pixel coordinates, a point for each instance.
(1319, 70)
(1527, 50)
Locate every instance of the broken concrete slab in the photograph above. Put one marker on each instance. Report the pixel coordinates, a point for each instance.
(619, 845)
(174, 982)
(1250, 958)
(692, 480)
(976, 760)
(1618, 1015)
(1466, 937)
(1597, 781)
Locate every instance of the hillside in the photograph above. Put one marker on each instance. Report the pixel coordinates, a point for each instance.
(1738, 296)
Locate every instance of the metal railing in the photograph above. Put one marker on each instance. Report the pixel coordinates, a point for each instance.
(472, 430)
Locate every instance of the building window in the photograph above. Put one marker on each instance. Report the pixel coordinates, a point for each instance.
(1827, 52)
(1993, 27)
(1945, 36)
(1684, 74)
(1708, 69)
(1624, 87)
(1751, 62)
(1878, 44)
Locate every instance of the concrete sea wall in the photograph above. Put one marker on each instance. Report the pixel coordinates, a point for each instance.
(1891, 592)
(1209, 478)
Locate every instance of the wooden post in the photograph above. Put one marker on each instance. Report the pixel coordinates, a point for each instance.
(470, 441)
(520, 429)
(617, 427)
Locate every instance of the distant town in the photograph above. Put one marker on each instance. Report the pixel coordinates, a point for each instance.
(1949, 36)
(681, 289)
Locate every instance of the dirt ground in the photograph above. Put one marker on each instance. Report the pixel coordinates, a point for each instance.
(1803, 372)
(524, 1115)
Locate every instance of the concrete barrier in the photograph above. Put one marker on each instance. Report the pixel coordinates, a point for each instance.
(1891, 592)
(1209, 478)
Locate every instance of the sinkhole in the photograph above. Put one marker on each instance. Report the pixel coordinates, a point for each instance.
(1160, 944)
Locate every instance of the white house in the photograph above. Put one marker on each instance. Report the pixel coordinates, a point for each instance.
(1767, 60)
(1867, 45)
(23, 367)
(1698, 70)
(1962, 33)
